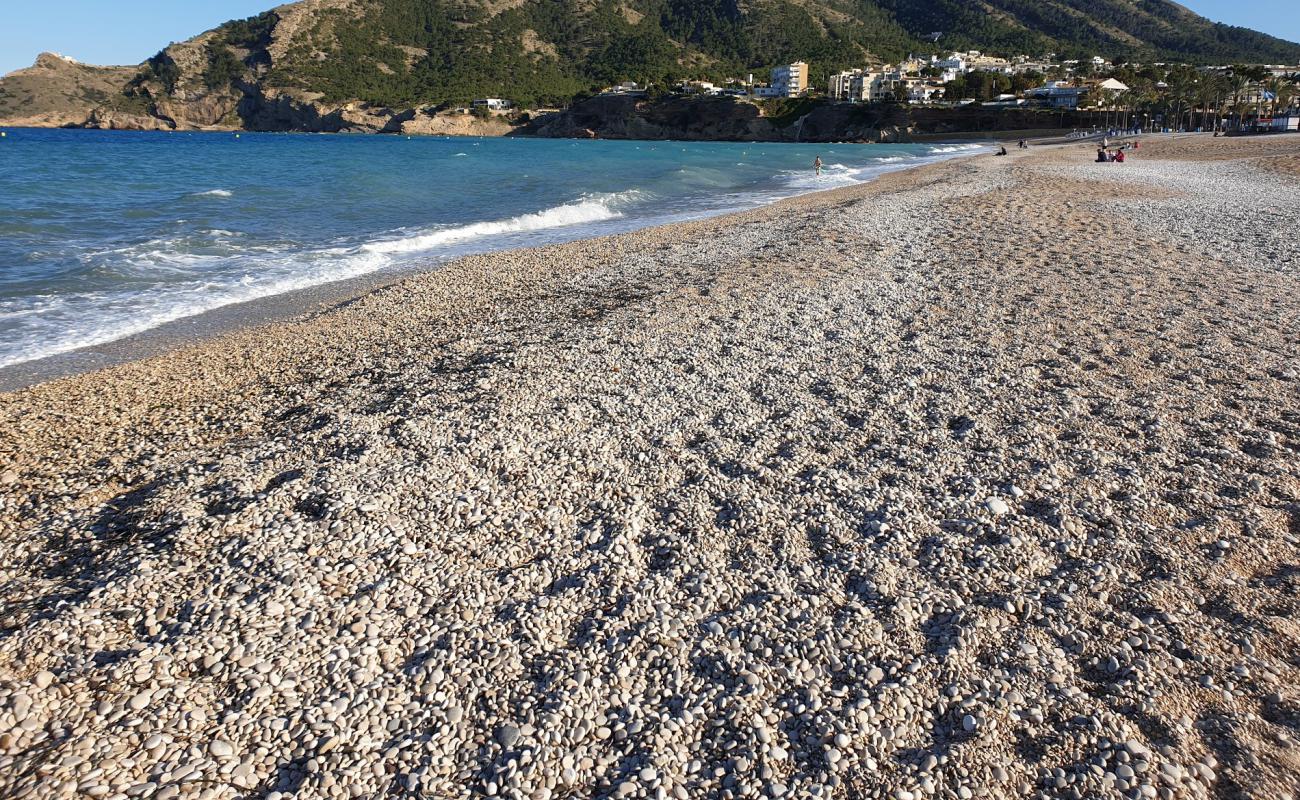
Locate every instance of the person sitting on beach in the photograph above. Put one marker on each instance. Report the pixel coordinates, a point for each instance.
(1101, 155)
(1002, 151)
(1119, 156)
(817, 165)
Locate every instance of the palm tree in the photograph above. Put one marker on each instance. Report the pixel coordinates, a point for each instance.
(1182, 88)
(1207, 94)
(1284, 97)
(1222, 86)
(1148, 101)
(1239, 90)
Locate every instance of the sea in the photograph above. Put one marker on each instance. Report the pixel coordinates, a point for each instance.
(107, 234)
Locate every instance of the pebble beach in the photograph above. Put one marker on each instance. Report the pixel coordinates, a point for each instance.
(979, 480)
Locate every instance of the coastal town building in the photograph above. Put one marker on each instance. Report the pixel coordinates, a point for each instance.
(492, 104)
(955, 63)
(790, 80)
(1057, 94)
(872, 85)
(989, 64)
(626, 87)
(913, 65)
(924, 91)
(855, 86)
(699, 87)
(1020, 67)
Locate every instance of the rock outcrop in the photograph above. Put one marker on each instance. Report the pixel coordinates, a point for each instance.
(110, 120)
(719, 119)
(57, 91)
(424, 124)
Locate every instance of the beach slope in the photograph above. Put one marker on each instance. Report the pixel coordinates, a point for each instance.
(982, 480)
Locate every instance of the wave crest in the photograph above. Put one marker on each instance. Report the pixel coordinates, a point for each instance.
(593, 209)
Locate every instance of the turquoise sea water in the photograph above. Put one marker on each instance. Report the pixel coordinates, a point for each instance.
(107, 234)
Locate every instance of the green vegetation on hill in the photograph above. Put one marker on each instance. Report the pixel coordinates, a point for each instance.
(252, 33)
(223, 66)
(1143, 30)
(161, 68)
(416, 51)
(540, 52)
(410, 51)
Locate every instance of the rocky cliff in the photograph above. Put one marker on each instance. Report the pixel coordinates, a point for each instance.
(729, 119)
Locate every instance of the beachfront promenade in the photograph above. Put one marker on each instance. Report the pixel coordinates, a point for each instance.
(982, 480)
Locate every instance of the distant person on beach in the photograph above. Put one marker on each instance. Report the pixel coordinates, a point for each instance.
(1002, 151)
(1022, 145)
(817, 165)
(1101, 155)
(1119, 156)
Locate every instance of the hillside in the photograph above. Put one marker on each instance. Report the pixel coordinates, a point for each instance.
(369, 64)
(1130, 29)
(58, 91)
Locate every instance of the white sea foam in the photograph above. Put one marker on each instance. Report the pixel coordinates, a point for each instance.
(595, 209)
(833, 176)
(214, 193)
(957, 148)
(193, 283)
(70, 322)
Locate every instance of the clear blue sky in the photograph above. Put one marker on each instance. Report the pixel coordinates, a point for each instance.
(129, 31)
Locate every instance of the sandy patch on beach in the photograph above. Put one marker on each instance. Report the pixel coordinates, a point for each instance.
(1289, 164)
(1207, 147)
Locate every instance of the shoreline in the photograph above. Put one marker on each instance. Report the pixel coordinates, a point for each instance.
(977, 479)
(199, 328)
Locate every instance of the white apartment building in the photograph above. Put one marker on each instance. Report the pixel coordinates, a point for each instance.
(790, 80)
(990, 64)
(855, 86)
(955, 63)
(923, 92)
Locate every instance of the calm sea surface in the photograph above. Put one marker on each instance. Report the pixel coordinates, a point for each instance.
(107, 234)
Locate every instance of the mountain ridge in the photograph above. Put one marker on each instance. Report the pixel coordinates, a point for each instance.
(373, 64)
